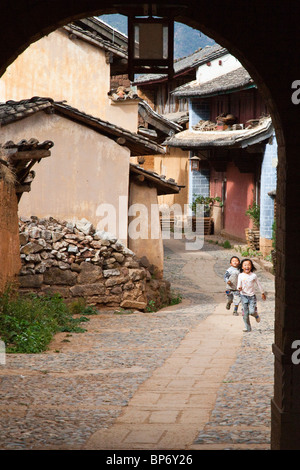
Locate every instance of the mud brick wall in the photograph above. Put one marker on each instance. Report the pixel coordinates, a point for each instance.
(9, 244)
(76, 261)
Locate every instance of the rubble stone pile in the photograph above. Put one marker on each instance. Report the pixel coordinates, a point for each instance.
(77, 261)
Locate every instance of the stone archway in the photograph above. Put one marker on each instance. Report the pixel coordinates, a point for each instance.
(250, 31)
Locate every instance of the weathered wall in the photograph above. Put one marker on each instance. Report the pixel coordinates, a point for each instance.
(9, 241)
(144, 237)
(62, 69)
(123, 114)
(85, 169)
(75, 261)
(217, 67)
(240, 187)
(67, 69)
(173, 165)
(241, 27)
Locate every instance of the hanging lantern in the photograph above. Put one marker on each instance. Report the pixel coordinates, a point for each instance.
(150, 45)
(195, 163)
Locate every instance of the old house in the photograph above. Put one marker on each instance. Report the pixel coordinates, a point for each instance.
(74, 64)
(94, 135)
(249, 30)
(156, 91)
(16, 163)
(232, 139)
(87, 177)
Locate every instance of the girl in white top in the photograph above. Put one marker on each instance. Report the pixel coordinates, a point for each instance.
(247, 283)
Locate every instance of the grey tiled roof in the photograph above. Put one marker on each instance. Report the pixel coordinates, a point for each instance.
(15, 110)
(12, 111)
(96, 39)
(187, 63)
(232, 81)
(191, 139)
(153, 117)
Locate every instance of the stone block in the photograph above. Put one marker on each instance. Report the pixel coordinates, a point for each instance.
(102, 235)
(75, 267)
(116, 290)
(137, 274)
(23, 238)
(86, 290)
(61, 290)
(84, 226)
(111, 272)
(31, 280)
(89, 273)
(60, 277)
(133, 304)
(31, 247)
(119, 257)
(56, 236)
(113, 281)
(110, 300)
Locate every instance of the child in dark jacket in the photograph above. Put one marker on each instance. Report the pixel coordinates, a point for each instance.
(231, 277)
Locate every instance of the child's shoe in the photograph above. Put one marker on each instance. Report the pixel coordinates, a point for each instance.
(228, 305)
(235, 312)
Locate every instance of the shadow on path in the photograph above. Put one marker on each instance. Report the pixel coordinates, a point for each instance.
(153, 376)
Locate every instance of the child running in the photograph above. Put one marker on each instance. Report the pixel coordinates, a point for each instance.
(231, 277)
(247, 282)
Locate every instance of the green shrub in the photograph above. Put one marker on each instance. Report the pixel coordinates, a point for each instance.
(253, 212)
(29, 322)
(226, 244)
(176, 298)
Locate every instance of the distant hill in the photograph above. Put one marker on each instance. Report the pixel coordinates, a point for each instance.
(186, 40)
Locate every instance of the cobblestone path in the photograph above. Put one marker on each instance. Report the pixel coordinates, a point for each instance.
(241, 418)
(59, 399)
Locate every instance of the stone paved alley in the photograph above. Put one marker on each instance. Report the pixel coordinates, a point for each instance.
(186, 377)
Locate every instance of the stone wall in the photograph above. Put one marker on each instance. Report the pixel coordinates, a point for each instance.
(76, 261)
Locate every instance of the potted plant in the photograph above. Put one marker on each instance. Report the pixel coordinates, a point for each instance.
(252, 235)
(208, 202)
(253, 212)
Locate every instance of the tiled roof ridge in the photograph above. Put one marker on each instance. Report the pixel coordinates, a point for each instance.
(189, 55)
(64, 105)
(106, 44)
(13, 110)
(185, 63)
(198, 88)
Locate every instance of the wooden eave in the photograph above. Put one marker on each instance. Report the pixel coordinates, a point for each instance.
(21, 158)
(137, 145)
(163, 186)
(192, 140)
(158, 121)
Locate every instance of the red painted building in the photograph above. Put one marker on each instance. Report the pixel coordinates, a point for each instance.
(229, 129)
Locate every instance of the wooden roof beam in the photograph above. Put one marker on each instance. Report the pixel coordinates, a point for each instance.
(29, 155)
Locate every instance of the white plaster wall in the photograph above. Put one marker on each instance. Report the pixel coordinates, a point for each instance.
(85, 169)
(206, 72)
